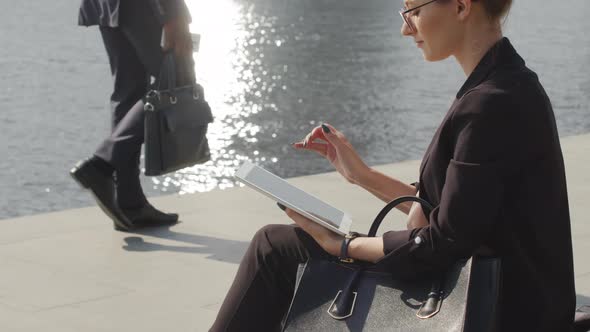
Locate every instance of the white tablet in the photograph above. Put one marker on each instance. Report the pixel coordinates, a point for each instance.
(294, 198)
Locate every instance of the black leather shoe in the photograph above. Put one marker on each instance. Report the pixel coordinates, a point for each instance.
(102, 187)
(149, 216)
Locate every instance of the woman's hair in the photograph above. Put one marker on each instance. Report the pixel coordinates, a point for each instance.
(496, 9)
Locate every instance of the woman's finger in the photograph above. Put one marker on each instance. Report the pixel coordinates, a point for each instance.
(321, 148)
(329, 241)
(325, 133)
(306, 140)
(307, 225)
(332, 135)
(331, 130)
(316, 133)
(297, 218)
(298, 145)
(339, 135)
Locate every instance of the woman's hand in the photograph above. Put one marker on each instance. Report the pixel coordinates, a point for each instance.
(369, 249)
(328, 240)
(177, 37)
(332, 145)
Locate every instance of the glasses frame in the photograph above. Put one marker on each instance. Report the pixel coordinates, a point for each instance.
(404, 11)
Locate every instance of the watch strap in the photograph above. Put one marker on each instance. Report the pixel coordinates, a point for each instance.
(344, 247)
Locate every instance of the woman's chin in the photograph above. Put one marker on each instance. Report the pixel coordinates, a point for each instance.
(427, 56)
(432, 57)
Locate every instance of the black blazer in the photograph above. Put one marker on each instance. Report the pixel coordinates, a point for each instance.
(494, 172)
(107, 12)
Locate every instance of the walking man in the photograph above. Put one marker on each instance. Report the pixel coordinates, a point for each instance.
(136, 33)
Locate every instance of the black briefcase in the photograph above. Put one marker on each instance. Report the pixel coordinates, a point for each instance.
(176, 121)
(336, 296)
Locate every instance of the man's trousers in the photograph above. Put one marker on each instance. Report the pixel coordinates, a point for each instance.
(135, 55)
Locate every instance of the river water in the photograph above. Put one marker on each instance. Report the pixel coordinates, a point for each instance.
(272, 70)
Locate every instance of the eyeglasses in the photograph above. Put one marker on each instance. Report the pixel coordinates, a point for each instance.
(404, 14)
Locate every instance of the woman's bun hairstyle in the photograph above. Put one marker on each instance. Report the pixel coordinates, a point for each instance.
(496, 8)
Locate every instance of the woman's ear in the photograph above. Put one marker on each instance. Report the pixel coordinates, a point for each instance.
(463, 8)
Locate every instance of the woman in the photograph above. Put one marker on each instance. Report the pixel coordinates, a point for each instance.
(494, 172)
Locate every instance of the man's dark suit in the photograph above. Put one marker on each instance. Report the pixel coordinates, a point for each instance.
(131, 31)
(106, 12)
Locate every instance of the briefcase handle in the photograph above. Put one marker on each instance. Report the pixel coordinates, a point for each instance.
(426, 207)
(167, 75)
(167, 71)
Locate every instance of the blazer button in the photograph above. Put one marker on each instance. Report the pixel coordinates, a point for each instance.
(417, 240)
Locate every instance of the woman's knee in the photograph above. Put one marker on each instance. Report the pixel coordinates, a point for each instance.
(273, 238)
(273, 232)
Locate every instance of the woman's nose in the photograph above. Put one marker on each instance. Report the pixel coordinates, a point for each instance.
(406, 30)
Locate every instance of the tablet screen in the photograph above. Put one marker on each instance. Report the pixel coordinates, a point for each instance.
(292, 195)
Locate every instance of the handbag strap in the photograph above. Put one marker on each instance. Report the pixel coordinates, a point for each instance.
(167, 71)
(432, 305)
(427, 207)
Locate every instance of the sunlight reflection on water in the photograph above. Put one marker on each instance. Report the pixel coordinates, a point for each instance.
(272, 70)
(228, 65)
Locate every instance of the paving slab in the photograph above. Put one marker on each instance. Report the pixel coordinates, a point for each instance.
(69, 271)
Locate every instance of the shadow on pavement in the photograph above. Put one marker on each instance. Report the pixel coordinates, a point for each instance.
(219, 249)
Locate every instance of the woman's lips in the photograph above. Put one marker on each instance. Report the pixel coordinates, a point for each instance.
(419, 43)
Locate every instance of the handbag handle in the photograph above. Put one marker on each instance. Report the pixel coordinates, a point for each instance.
(167, 71)
(391, 205)
(343, 304)
(432, 305)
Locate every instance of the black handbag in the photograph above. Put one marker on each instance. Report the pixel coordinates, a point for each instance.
(176, 121)
(338, 296)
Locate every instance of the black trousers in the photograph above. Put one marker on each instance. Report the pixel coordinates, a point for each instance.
(134, 54)
(264, 284)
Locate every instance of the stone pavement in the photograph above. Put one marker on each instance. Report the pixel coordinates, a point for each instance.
(69, 271)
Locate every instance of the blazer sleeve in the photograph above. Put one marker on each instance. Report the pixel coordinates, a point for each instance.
(487, 147)
(166, 10)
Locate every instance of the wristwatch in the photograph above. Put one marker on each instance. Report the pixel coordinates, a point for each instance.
(344, 247)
